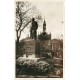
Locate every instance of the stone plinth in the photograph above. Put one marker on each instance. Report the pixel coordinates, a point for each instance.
(31, 47)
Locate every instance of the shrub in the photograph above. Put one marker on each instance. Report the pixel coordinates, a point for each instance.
(33, 67)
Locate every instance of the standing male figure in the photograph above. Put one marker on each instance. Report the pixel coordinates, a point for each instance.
(33, 30)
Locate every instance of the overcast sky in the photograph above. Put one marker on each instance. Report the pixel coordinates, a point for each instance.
(53, 11)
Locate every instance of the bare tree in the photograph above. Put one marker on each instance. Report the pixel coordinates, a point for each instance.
(25, 11)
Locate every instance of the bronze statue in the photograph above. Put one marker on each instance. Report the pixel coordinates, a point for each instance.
(33, 30)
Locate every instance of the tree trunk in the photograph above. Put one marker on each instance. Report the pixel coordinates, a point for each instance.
(17, 47)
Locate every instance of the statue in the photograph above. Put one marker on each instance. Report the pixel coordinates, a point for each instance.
(33, 30)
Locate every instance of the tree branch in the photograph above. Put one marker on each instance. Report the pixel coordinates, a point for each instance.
(23, 28)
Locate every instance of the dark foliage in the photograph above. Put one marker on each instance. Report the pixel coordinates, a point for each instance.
(32, 67)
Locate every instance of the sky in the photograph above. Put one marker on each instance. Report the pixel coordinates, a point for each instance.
(53, 12)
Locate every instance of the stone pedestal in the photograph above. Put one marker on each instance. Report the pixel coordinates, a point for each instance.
(32, 48)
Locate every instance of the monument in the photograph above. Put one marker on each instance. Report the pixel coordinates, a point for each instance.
(31, 45)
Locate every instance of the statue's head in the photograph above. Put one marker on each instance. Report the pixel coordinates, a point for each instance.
(33, 19)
